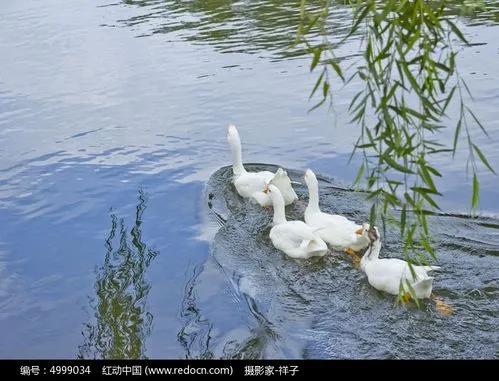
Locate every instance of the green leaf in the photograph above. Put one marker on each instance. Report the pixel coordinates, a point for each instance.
(336, 68)
(477, 121)
(428, 198)
(392, 163)
(456, 135)
(354, 99)
(358, 17)
(448, 99)
(476, 192)
(325, 89)
(317, 84)
(443, 67)
(434, 171)
(427, 246)
(364, 146)
(467, 88)
(372, 215)
(411, 290)
(412, 79)
(318, 105)
(403, 218)
(456, 31)
(425, 175)
(426, 190)
(360, 173)
(483, 158)
(316, 57)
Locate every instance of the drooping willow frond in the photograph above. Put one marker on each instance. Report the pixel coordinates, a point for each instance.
(409, 75)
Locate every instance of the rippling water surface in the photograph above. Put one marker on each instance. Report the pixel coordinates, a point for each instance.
(112, 133)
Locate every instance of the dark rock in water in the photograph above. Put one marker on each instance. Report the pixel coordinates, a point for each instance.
(250, 301)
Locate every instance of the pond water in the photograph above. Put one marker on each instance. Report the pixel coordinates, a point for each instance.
(112, 139)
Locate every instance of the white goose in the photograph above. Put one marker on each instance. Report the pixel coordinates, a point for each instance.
(252, 184)
(338, 231)
(295, 238)
(388, 274)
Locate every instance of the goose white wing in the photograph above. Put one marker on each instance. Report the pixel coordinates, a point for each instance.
(297, 240)
(298, 230)
(326, 219)
(386, 275)
(251, 182)
(282, 181)
(252, 185)
(337, 230)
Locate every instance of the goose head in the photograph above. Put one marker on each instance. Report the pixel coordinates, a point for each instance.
(373, 234)
(273, 192)
(277, 202)
(232, 135)
(310, 178)
(362, 235)
(374, 242)
(270, 189)
(363, 231)
(372, 251)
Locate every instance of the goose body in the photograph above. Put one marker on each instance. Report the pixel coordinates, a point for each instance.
(387, 274)
(295, 238)
(338, 231)
(252, 184)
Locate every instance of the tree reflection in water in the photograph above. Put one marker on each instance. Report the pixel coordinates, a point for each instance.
(122, 322)
(195, 335)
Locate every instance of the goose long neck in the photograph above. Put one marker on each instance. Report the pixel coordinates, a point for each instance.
(313, 196)
(372, 252)
(376, 249)
(279, 210)
(237, 156)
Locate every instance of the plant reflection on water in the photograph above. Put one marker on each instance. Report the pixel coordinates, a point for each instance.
(122, 320)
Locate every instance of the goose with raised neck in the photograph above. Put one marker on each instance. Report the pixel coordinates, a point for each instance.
(295, 238)
(278, 204)
(338, 231)
(236, 149)
(252, 184)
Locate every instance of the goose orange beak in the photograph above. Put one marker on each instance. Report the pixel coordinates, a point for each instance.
(359, 231)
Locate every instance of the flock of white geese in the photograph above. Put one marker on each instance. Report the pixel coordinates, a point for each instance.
(311, 237)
